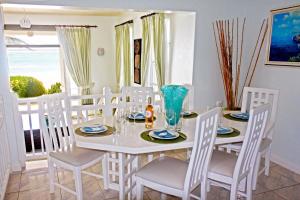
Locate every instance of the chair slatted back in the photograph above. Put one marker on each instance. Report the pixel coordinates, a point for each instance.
(205, 135)
(84, 112)
(111, 102)
(56, 123)
(137, 96)
(253, 137)
(253, 97)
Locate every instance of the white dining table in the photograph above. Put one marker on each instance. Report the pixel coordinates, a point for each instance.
(127, 145)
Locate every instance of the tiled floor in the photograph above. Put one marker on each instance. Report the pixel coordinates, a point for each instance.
(32, 184)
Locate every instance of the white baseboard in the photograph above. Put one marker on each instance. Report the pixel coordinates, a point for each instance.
(285, 163)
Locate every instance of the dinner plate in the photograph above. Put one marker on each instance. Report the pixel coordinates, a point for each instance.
(244, 116)
(138, 116)
(224, 130)
(163, 134)
(94, 129)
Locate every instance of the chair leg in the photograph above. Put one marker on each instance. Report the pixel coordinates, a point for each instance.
(267, 161)
(78, 183)
(256, 171)
(233, 191)
(149, 157)
(203, 193)
(188, 153)
(105, 172)
(249, 187)
(139, 190)
(51, 175)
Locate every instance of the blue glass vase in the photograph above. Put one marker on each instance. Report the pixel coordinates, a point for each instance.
(173, 98)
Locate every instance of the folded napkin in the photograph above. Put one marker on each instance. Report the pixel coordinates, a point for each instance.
(163, 133)
(241, 115)
(92, 129)
(137, 116)
(223, 130)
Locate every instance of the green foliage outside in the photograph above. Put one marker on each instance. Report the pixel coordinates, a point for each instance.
(26, 86)
(55, 88)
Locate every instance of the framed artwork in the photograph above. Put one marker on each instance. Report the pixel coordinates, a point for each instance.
(284, 37)
(137, 60)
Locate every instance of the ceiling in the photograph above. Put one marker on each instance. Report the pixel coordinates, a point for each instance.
(57, 10)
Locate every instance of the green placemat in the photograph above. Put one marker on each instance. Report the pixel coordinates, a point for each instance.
(192, 115)
(228, 116)
(110, 130)
(139, 120)
(145, 135)
(233, 134)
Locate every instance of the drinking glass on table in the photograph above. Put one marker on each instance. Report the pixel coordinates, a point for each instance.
(170, 116)
(220, 104)
(120, 120)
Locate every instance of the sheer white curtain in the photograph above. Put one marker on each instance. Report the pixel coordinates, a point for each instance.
(154, 64)
(76, 47)
(124, 54)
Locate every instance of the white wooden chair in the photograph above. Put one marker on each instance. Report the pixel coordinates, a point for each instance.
(228, 170)
(180, 178)
(137, 96)
(60, 144)
(253, 97)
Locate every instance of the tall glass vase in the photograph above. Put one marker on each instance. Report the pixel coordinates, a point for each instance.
(173, 99)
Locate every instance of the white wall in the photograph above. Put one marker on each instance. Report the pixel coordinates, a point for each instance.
(206, 76)
(103, 67)
(182, 48)
(16, 149)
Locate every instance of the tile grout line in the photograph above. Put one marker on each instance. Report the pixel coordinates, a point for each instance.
(274, 190)
(285, 188)
(19, 185)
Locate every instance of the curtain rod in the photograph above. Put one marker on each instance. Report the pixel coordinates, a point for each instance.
(86, 26)
(127, 22)
(148, 15)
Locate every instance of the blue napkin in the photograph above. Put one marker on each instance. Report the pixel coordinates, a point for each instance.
(163, 134)
(137, 116)
(241, 115)
(223, 130)
(92, 129)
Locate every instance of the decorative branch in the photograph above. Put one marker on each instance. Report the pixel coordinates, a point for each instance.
(229, 39)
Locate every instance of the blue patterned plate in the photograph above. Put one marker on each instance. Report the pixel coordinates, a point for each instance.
(138, 116)
(224, 130)
(164, 134)
(244, 116)
(93, 129)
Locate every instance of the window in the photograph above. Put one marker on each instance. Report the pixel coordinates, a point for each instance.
(35, 55)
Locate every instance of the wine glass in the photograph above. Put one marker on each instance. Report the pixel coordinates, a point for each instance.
(170, 117)
(220, 104)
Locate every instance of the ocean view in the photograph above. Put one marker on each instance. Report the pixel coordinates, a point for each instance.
(41, 63)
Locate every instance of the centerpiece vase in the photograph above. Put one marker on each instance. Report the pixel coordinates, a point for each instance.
(173, 99)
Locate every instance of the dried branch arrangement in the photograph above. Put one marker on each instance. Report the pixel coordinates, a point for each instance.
(229, 39)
